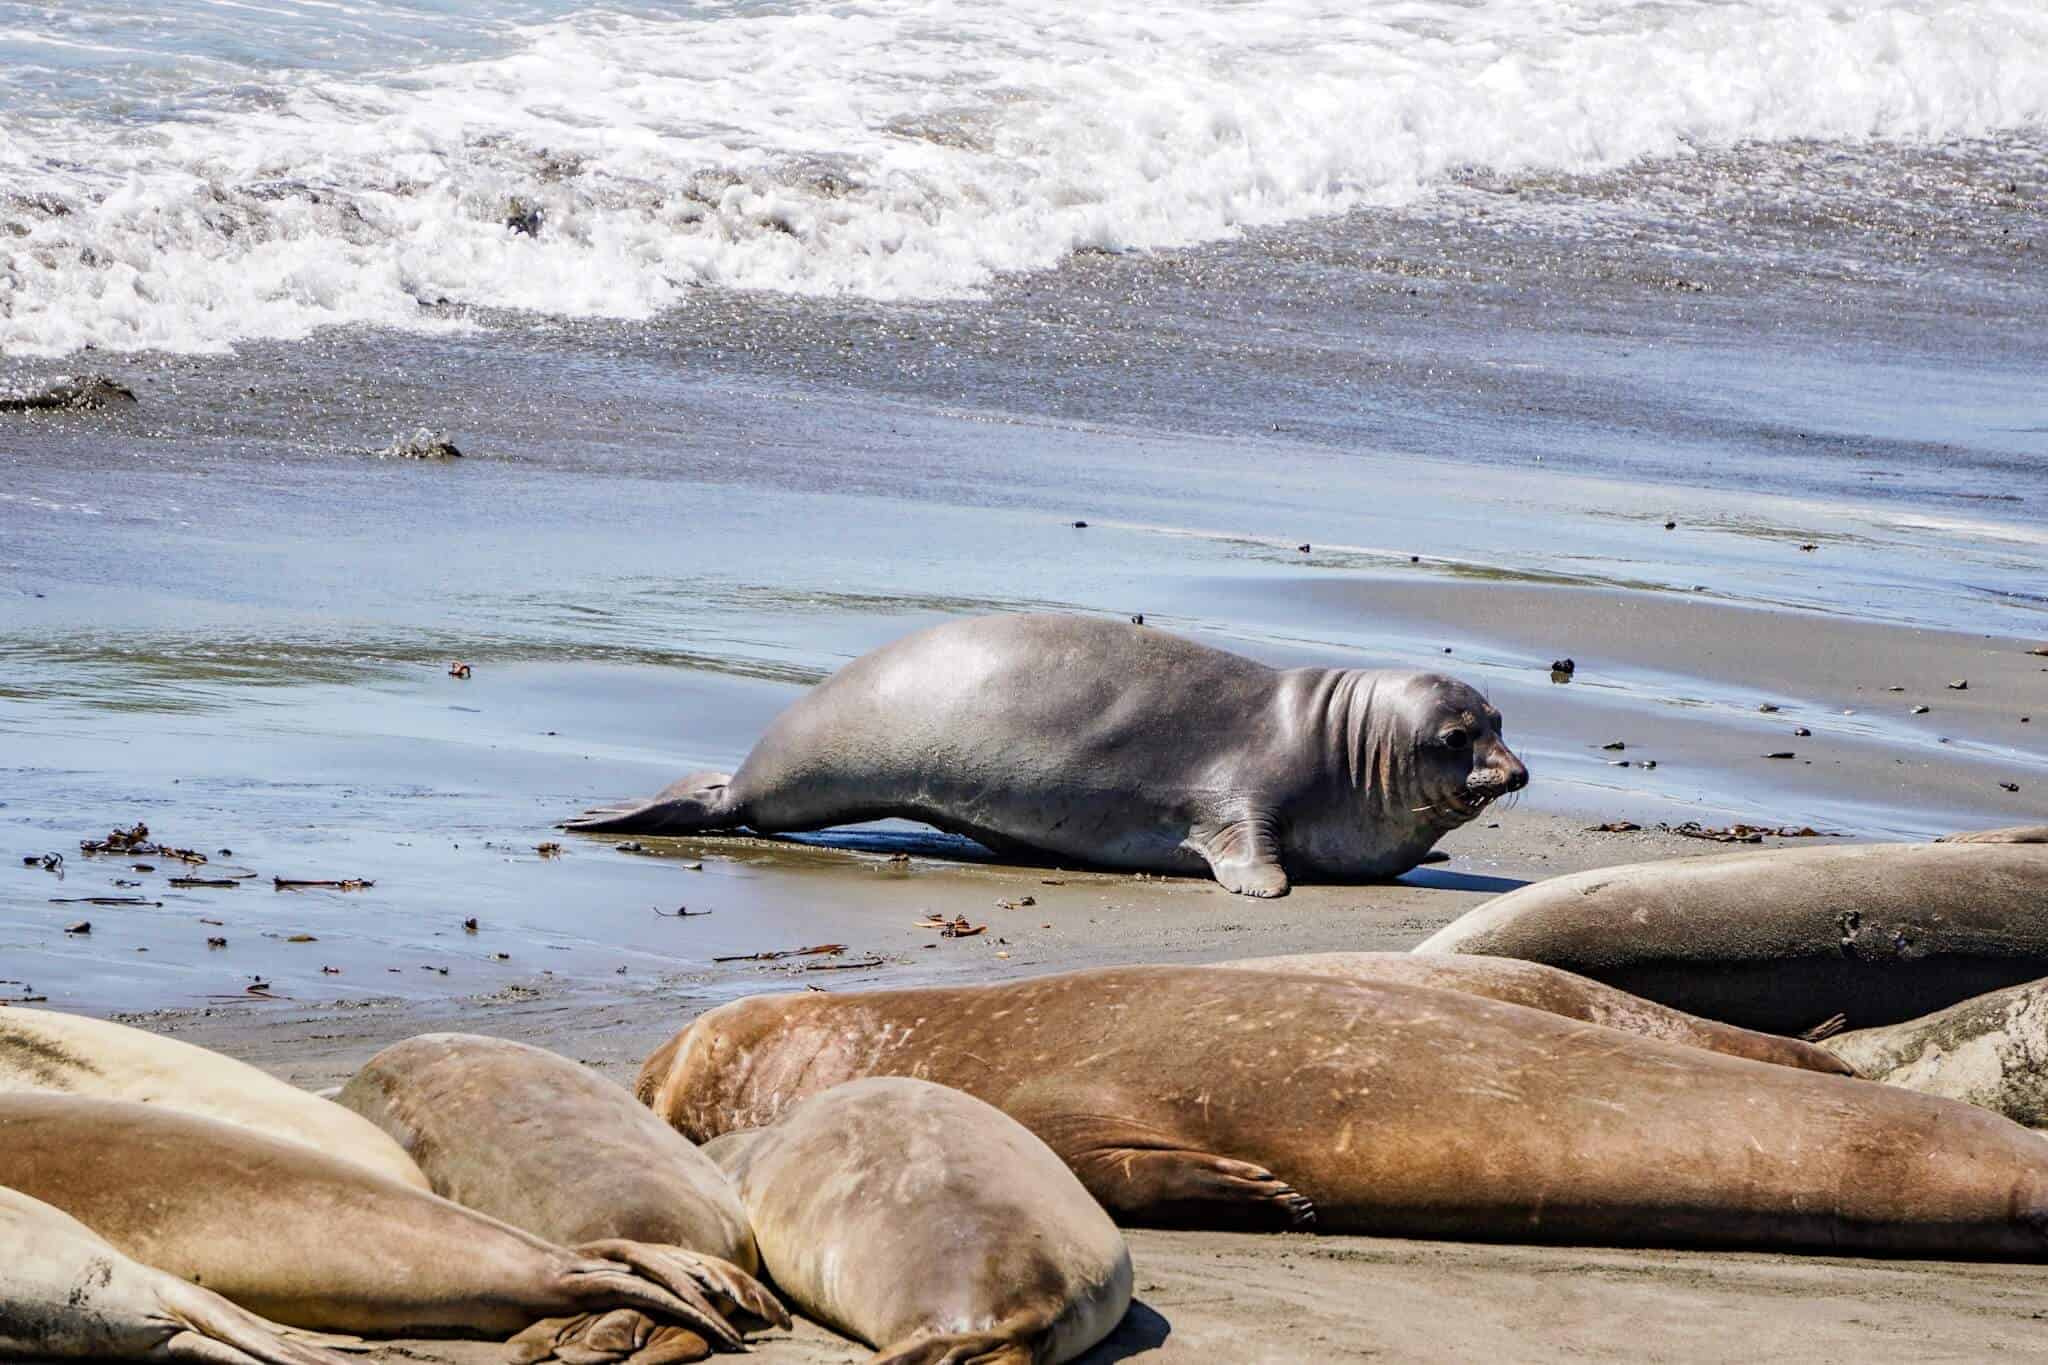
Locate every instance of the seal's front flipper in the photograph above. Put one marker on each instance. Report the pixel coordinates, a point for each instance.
(1181, 1188)
(702, 801)
(1145, 1176)
(1243, 856)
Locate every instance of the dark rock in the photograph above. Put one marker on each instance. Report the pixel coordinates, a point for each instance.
(86, 394)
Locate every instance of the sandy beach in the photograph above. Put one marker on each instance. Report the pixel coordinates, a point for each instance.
(1699, 345)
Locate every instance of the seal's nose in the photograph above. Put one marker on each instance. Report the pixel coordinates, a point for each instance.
(1517, 775)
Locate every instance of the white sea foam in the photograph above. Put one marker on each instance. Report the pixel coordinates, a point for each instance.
(905, 150)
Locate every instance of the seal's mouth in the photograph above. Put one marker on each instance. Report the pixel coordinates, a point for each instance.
(1464, 804)
(1469, 803)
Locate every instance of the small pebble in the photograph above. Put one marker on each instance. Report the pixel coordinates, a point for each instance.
(1782, 753)
(1959, 685)
(1767, 707)
(1922, 710)
(1802, 732)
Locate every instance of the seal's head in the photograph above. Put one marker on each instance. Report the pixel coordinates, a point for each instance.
(1461, 762)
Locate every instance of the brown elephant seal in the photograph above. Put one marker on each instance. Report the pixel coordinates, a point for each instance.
(1990, 1051)
(930, 1226)
(1119, 746)
(1781, 939)
(550, 1146)
(1238, 1098)
(70, 1054)
(2011, 834)
(65, 1294)
(1538, 987)
(315, 1241)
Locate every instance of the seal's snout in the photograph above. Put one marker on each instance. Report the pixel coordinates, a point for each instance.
(1514, 774)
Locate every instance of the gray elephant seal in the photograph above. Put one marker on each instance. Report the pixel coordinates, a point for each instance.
(69, 1054)
(67, 1295)
(2011, 834)
(314, 1241)
(1538, 987)
(550, 1146)
(1782, 939)
(1990, 1051)
(1116, 745)
(1237, 1098)
(930, 1226)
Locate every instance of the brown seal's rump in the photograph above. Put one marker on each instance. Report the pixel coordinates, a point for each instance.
(1119, 746)
(1237, 1098)
(1990, 1051)
(931, 1226)
(547, 1145)
(1554, 992)
(65, 1294)
(314, 1241)
(1781, 939)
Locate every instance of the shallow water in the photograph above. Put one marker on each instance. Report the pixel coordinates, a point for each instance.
(710, 456)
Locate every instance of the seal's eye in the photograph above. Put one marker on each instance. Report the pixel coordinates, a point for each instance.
(1455, 739)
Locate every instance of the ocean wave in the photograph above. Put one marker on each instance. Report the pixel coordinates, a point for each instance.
(608, 164)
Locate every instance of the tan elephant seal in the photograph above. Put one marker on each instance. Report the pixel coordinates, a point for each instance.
(1554, 992)
(1990, 1051)
(2011, 834)
(70, 1054)
(1781, 939)
(1116, 745)
(315, 1241)
(1237, 1098)
(550, 1146)
(930, 1226)
(65, 1294)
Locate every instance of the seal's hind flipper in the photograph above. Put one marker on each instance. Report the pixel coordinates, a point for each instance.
(697, 803)
(967, 1348)
(621, 1337)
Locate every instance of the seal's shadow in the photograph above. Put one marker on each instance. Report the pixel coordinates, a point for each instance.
(1141, 1330)
(1459, 881)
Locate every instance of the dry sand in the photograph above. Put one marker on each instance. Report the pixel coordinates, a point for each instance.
(1227, 1297)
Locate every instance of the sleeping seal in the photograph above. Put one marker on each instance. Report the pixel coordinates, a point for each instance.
(1237, 1098)
(1115, 745)
(929, 1226)
(2011, 834)
(550, 1146)
(1554, 992)
(1781, 939)
(70, 1054)
(1990, 1051)
(67, 1295)
(315, 1241)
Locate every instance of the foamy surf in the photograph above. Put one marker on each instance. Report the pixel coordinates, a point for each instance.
(607, 164)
